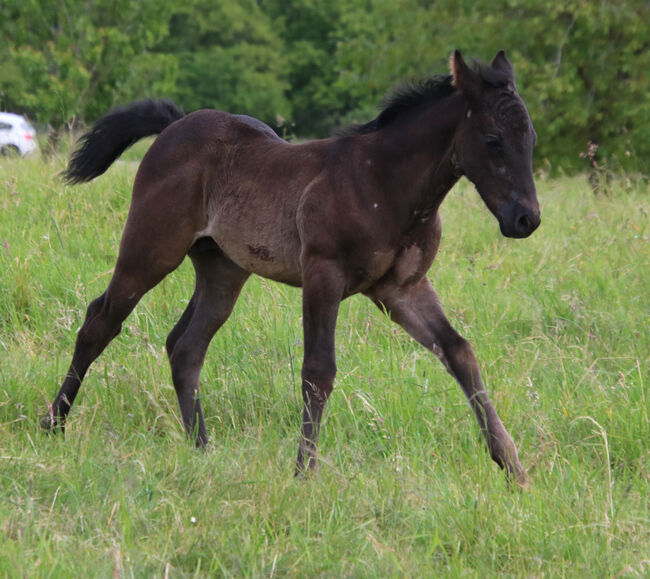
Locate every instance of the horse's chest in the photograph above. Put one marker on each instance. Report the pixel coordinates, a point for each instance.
(417, 251)
(365, 268)
(405, 260)
(410, 264)
(404, 265)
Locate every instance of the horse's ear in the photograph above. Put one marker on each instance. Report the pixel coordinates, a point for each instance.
(463, 77)
(501, 63)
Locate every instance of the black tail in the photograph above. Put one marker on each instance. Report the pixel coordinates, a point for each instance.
(115, 132)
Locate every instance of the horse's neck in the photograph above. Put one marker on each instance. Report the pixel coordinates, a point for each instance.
(422, 164)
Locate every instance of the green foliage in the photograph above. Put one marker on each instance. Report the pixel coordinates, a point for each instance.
(582, 67)
(309, 29)
(406, 488)
(77, 58)
(229, 58)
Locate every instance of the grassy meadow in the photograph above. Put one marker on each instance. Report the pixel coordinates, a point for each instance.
(559, 323)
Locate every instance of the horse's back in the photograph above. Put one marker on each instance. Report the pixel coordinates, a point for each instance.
(201, 142)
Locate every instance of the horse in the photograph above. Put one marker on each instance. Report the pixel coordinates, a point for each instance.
(353, 213)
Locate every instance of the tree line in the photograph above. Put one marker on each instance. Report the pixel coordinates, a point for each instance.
(308, 66)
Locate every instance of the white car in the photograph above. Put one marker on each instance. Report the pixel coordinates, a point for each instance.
(17, 136)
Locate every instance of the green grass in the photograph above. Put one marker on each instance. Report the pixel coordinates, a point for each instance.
(559, 323)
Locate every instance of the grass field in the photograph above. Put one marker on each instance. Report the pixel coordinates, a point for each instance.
(559, 323)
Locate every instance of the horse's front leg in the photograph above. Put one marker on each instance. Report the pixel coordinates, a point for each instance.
(323, 285)
(417, 309)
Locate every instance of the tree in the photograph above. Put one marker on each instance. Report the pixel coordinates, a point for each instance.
(74, 58)
(582, 67)
(309, 29)
(230, 57)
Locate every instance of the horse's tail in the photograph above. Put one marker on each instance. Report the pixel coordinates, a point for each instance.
(115, 132)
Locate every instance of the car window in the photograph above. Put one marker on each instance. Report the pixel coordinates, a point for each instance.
(4, 126)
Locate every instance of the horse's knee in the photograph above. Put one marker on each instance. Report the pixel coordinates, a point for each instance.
(318, 378)
(319, 368)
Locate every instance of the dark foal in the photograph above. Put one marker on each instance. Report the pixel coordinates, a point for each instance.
(357, 213)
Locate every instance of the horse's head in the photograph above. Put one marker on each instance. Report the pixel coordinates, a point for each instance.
(495, 141)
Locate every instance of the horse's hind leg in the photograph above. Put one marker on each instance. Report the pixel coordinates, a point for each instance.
(103, 322)
(148, 252)
(218, 283)
(417, 309)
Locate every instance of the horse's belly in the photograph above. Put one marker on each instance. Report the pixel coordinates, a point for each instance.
(264, 255)
(265, 260)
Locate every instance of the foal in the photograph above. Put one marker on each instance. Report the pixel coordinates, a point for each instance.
(357, 213)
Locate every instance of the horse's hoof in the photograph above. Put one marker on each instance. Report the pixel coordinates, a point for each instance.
(522, 481)
(50, 424)
(519, 479)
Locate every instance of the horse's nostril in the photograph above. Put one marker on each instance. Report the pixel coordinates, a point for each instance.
(523, 223)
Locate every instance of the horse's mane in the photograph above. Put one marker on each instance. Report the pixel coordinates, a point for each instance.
(416, 94)
(406, 97)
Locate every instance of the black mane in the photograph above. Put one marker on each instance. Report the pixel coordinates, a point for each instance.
(405, 98)
(413, 95)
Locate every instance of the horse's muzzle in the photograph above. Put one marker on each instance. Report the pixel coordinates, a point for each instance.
(516, 220)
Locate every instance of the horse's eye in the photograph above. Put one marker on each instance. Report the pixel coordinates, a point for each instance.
(493, 143)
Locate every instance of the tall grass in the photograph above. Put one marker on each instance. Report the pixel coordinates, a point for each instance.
(559, 323)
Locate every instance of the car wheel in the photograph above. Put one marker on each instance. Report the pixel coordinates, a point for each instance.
(9, 151)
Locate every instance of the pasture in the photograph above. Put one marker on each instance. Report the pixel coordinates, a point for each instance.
(559, 323)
